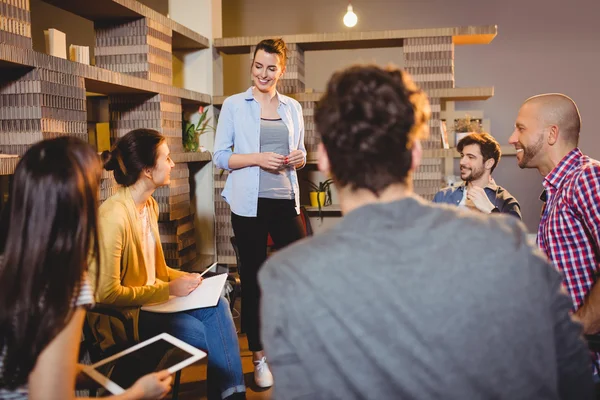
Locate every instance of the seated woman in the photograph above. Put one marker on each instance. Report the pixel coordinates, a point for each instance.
(132, 270)
(47, 234)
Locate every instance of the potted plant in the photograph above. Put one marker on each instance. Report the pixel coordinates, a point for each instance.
(466, 126)
(320, 195)
(192, 132)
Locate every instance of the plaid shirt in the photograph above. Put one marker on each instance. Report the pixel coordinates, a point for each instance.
(569, 232)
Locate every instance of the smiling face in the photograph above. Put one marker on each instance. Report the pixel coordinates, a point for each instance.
(267, 69)
(471, 163)
(528, 136)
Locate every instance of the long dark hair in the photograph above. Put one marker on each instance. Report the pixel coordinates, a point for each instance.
(131, 154)
(51, 223)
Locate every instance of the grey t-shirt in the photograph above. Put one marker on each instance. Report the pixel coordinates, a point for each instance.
(410, 300)
(274, 137)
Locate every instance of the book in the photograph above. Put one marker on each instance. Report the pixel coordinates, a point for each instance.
(205, 295)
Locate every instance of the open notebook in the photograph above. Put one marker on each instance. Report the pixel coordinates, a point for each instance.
(205, 295)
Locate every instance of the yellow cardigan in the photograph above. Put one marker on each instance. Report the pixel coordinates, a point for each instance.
(122, 274)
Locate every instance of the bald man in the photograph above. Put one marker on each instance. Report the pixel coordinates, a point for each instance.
(546, 137)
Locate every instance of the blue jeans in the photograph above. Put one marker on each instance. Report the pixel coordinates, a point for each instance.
(209, 329)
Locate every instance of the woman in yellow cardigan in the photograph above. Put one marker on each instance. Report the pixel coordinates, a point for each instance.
(133, 271)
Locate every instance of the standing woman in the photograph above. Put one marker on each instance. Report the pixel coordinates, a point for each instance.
(133, 272)
(47, 236)
(260, 141)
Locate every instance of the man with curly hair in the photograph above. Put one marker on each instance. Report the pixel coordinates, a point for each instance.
(385, 305)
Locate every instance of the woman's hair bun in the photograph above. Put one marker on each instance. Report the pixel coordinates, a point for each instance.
(109, 160)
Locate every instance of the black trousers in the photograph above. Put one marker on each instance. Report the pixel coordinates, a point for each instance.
(276, 217)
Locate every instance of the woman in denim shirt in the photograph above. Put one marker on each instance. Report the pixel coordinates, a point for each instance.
(260, 141)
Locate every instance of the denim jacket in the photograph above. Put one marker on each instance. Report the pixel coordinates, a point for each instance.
(239, 126)
(499, 197)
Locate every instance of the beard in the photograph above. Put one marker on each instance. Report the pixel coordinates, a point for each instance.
(475, 173)
(529, 152)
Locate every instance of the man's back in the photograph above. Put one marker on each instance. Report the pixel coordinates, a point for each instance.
(413, 301)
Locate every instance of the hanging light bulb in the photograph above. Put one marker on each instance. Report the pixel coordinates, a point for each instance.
(350, 19)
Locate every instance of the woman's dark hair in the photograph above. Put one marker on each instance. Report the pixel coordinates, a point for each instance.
(273, 46)
(131, 154)
(51, 223)
(369, 119)
(489, 147)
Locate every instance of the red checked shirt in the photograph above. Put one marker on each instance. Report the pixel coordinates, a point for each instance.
(569, 232)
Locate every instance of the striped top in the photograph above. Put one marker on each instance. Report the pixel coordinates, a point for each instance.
(85, 299)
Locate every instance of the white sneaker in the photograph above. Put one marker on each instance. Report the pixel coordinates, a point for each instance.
(262, 374)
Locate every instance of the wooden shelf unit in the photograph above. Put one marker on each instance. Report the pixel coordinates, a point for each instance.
(450, 94)
(103, 10)
(97, 80)
(428, 58)
(8, 165)
(44, 96)
(363, 40)
(334, 208)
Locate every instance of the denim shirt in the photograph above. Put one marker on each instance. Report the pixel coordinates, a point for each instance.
(239, 126)
(499, 197)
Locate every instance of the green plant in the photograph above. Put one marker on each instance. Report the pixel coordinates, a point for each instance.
(192, 132)
(324, 187)
(467, 125)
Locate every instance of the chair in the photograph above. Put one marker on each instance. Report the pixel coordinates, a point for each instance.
(306, 221)
(91, 346)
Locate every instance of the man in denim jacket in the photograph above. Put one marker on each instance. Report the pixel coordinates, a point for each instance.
(479, 155)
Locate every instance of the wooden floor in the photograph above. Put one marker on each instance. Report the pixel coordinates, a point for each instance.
(193, 378)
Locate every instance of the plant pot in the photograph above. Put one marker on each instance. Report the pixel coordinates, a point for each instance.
(314, 200)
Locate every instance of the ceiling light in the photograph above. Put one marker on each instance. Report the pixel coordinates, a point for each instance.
(350, 19)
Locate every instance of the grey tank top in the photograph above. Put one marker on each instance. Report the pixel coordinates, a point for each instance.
(274, 137)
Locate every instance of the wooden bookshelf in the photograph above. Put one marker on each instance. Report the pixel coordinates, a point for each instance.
(103, 10)
(8, 164)
(97, 80)
(363, 40)
(450, 94)
(334, 208)
(42, 97)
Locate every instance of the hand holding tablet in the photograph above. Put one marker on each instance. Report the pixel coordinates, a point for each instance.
(152, 386)
(163, 353)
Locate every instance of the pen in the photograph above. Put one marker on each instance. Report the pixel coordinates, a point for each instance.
(208, 269)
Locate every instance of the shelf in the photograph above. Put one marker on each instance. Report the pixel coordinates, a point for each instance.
(334, 208)
(450, 94)
(443, 153)
(217, 101)
(311, 158)
(8, 163)
(462, 94)
(105, 10)
(189, 157)
(363, 40)
(97, 80)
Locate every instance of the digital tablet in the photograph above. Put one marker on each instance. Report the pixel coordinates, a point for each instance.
(120, 371)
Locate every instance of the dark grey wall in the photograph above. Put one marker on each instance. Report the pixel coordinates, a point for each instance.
(542, 46)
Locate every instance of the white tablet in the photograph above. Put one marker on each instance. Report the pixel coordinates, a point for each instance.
(120, 371)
